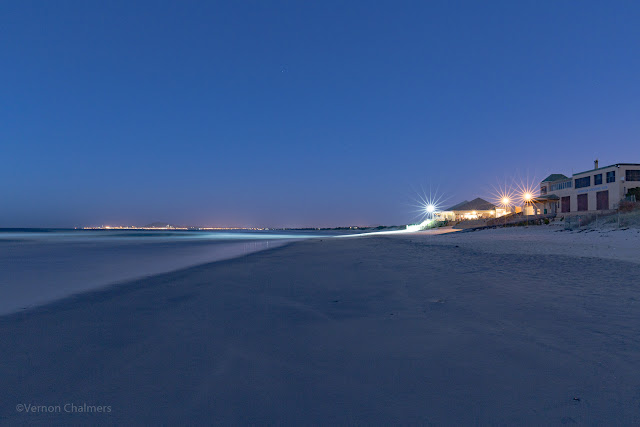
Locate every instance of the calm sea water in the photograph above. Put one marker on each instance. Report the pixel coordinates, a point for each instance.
(39, 266)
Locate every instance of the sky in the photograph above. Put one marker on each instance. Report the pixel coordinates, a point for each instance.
(327, 113)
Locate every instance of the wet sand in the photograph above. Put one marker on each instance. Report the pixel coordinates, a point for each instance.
(375, 330)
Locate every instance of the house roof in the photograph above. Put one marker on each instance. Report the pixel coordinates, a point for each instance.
(455, 207)
(555, 177)
(605, 167)
(474, 205)
(547, 197)
(558, 176)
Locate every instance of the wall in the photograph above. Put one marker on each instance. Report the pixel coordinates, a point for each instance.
(617, 189)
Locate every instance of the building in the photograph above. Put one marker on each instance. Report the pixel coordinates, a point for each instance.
(475, 209)
(598, 189)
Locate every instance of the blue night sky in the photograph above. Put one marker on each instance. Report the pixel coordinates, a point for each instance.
(264, 113)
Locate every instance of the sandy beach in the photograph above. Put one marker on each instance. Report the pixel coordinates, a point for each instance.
(607, 243)
(516, 326)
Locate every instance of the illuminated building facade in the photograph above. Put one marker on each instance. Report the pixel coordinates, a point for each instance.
(468, 210)
(598, 189)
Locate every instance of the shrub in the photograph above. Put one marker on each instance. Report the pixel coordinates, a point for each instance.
(627, 206)
(634, 192)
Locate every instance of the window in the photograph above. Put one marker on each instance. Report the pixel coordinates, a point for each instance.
(583, 202)
(543, 190)
(633, 175)
(597, 179)
(560, 186)
(566, 204)
(611, 176)
(583, 182)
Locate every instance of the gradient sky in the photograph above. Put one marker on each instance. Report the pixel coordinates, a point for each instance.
(265, 113)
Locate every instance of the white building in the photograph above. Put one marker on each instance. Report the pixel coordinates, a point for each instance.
(598, 189)
(468, 210)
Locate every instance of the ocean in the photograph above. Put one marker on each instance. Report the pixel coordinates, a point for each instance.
(38, 266)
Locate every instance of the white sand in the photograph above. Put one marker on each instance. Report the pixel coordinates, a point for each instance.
(617, 244)
(380, 330)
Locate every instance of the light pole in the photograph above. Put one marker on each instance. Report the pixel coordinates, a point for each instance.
(505, 203)
(527, 200)
(430, 210)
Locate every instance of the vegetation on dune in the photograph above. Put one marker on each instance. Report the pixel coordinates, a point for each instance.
(634, 192)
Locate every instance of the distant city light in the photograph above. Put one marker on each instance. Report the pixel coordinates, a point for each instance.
(168, 227)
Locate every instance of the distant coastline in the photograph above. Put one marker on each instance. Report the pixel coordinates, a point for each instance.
(196, 228)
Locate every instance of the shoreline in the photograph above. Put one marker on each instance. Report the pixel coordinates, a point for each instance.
(153, 275)
(490, 241)
(376, 330)
(619, 245)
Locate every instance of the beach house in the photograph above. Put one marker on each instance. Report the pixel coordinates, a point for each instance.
(475, 209)
(598, 189)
